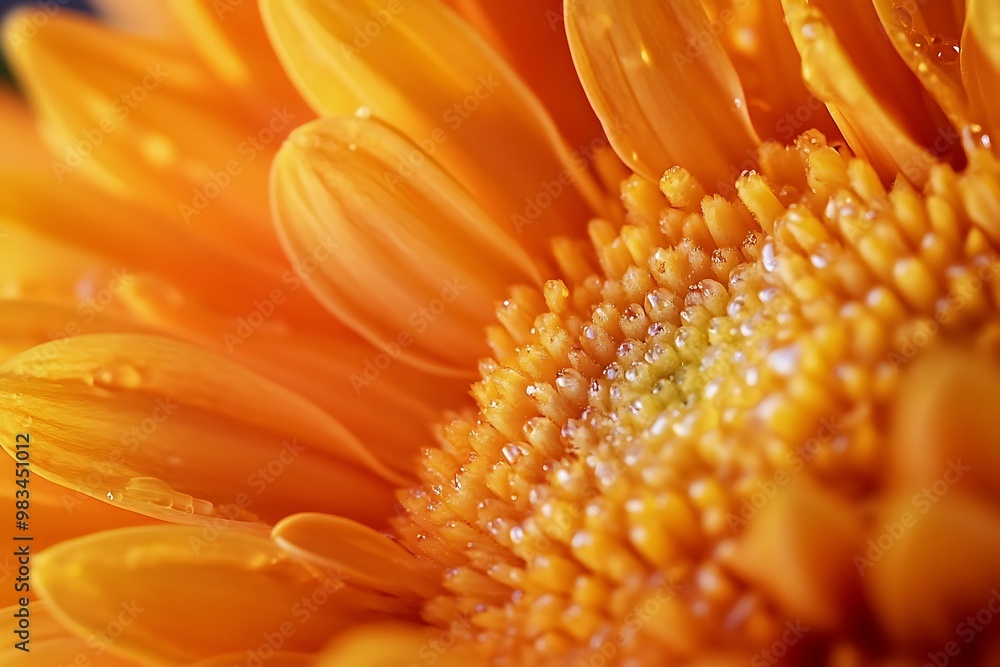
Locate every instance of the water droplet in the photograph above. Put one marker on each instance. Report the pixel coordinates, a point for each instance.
(112, 496)
(785, 360)
(974, 138)
(814, 28)
(363, 112)
(902, 18)
(124, 376)
(738, 102)
(945, 51)
(768, 258)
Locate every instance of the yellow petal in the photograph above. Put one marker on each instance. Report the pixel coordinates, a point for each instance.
(980, 65)
(175, 432)
(181, 594)
(891, 126)
(660, 106)
(359, 554)
(50, 643)
(420, 68)
(110, 104)
(393, 646)
(417, 264)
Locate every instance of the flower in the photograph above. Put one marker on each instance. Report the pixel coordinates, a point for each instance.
(747, 420)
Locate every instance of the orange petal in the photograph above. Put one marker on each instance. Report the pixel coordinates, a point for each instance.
(661, 107)
(531, 36)
(23, 146)
(798, 550)
(110, 103)
(180, 596)
(357, 553)
(945, 419)
(385, 645)
(85, 217)
(57, 514)
(230, 37)
(152, 18)
(175, 432)
(980, 65)
(756, 38)
(943, 543)
(890, 125)
(416, 263)
(427, 73)
(50, 643)
(277, 659)
(353, 380)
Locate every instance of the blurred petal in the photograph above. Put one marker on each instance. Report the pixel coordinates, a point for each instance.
(230, 37)
(23, 147)
(175, 432)
(530, 34)
(110, 102)
(798, 551)
(85, 217)
(412, 251)
(52, 644)
(58, 514)
(948, 550)
(454, 97)
(945, 413)
(395, 646)
(278, 659)
(353, 380)
(181, 594)
(660, 107)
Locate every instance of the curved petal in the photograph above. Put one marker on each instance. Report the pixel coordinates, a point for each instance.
(421, 69)
(367, 558)
(416, 262)
(661, 106)
(181, 594)
(178, 433)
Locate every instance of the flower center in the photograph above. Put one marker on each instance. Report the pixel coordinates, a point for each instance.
(642, 412)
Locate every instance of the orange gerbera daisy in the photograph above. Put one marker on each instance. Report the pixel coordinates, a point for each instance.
(735, 408)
